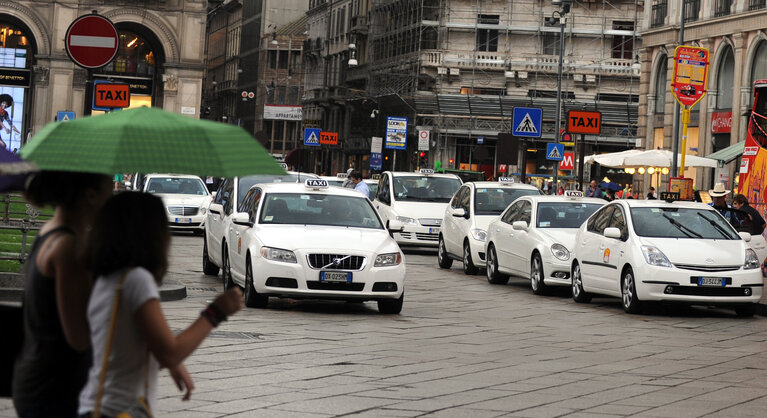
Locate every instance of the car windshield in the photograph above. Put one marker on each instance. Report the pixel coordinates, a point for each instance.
(319, 209)
(681, 223)
(425, 188)
(494, 200)
(564, 214)
(246, 182)
(373, 187)
(176, 185)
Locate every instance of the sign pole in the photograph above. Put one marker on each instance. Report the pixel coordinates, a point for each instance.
(685, 122)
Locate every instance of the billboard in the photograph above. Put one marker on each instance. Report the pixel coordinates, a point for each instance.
(396, 133)
(12, 96)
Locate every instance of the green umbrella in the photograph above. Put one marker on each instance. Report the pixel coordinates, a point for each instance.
(148, 140)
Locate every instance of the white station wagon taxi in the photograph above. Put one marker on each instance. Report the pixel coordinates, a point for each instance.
(464, 225)
(185, 197)
(534, 238)
(651, 250)
(314, 241)
(418, 201)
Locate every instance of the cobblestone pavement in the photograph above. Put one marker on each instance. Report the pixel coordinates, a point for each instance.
(463, 347)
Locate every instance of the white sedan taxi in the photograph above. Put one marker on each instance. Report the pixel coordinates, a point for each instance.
(314, 241)
(651, 250)
(185, 197)
(534, 238)
(417, 200)
(464, 225)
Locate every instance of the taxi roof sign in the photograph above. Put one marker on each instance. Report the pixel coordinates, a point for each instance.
(342, 175)
(316, 183)
(506, 179)
(573, 193)
(426, 171)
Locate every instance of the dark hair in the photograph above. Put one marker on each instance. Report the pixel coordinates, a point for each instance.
(62, 188)
(355, 175)
(131, 231)
(740, 199)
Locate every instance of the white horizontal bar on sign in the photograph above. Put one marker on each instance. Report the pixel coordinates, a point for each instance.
(92, 41)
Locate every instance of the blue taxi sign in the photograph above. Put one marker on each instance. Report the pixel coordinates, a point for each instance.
(316, 183)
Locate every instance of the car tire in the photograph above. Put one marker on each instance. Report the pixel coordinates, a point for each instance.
(579, 295)
(468, 265)
(391, 306)
(745, 311)
(493, 276)
(252, 298)
(208, 268)
(226, 268)
(536, 275)
(629, 298)
(444, 260)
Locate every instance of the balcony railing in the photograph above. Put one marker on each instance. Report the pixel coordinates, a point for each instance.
(722, 8)
(756, 4)
(659, 11)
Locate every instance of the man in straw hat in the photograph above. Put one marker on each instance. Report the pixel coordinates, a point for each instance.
(718, 195)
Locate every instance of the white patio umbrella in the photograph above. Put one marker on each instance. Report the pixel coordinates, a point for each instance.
(612, 159)
(650, 158)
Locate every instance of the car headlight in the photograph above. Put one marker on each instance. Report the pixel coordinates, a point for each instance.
(389, 259)
(278, 254)
(407, 221)
(752, 261)
(560, 252)
(655, 257)
(478, 234)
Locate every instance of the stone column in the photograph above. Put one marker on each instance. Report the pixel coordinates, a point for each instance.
(738, 40)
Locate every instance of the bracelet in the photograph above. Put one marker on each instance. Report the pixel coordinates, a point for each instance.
(210, 316)
(220, 315)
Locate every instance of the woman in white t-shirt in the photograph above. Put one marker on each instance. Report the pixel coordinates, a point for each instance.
(131, 238)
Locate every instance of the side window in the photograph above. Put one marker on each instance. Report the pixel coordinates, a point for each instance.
(525, 212)
(466, 200)
(617, 220)
(383, 190)
(511, 213)
(219, 194)
(253, 205)
(228, 197)
(602, 219)
(456, 201)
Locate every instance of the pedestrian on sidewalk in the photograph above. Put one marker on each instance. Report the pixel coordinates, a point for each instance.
(359, 185)
(52, 365)
(128, 254)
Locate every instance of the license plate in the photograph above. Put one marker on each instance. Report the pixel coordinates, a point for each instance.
(434, 230)
(336, 276)
(711, 281)
(183, 220)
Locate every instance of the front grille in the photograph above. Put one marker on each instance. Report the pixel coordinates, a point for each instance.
(430, 221)
(335, 286)
(706, 268)
(427, 237)
(183, 210)
(405, 235)
(326, 262)
(709, 291)
(282, 282)
(190, 224)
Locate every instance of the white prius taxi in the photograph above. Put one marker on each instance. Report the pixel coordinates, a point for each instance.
(314, 241)
(651, 250)
(417, 200)
(185, 197)
(534, 238)
(464, 225)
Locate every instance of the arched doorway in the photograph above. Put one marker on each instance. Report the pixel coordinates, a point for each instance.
(16, 55)
(725, 76)
(759, 63)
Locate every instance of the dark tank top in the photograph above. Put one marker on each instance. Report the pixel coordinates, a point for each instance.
(47, 368)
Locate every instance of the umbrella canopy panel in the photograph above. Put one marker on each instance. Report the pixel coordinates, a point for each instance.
(650, 158)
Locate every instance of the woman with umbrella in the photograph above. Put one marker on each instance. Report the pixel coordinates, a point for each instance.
(6, 101)
(610, 188)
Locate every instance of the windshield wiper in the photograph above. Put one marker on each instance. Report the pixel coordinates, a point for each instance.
(686, 230)
(715, 225)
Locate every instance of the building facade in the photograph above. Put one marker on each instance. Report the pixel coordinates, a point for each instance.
(220, 94)
(733, 31)
(160, 55)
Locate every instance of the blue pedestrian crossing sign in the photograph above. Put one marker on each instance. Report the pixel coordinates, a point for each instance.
(527, 122)
(312, 136)
(65, 116)
(554, 151)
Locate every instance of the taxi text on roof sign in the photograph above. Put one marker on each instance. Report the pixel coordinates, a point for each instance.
(582, 122)
(573, 193)
(426, 171)
(316, 183)
(506, 179)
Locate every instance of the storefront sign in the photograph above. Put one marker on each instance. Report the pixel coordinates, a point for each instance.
(721, 122)
(14, 77)
(138, 86)
(283, 112)
(376, 160)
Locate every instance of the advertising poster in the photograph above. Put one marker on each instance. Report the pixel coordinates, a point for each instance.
(13, 83)
(396, 133)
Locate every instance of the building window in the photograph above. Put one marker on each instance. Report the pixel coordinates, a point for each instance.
(661, 86)
(549, 94)
(483, 91)
(293, 95)
(722, 7)
(281, 90)
(551, 43)
(272, 59)
(487, 39)
(692, 10)
(134, 57)
(659, 11)
(756, 4)
(724, 80)
(283, 60)
(759, 67)
(623, 45)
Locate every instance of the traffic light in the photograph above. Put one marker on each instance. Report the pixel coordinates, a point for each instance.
(423, 159)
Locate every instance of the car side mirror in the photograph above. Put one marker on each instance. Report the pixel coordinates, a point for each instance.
(396, 226)
(241, 218)
(216, 208)
(745, 235)
(460, 213)
(213, 194)
(612, 232)
(519, 226)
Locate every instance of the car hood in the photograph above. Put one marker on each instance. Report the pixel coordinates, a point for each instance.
(564, 236)
(183, 199)
(328, 238)
(417, 210)
(697, 251)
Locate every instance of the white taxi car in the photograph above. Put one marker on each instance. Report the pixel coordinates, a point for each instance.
(315, 241)
(338, 180)
(228, 200)
(534, 238)
(418, 200)
(185, 197)
(651, 250)
(464, 225)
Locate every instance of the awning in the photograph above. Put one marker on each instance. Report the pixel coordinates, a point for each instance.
(728, 154)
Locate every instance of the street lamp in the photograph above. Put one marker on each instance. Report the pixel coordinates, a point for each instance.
(560, 17)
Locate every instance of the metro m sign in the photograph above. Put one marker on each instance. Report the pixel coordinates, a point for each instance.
(107, 96)
(581, 122)
(568, 161)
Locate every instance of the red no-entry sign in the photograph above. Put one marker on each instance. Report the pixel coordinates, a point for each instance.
(92, 41)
